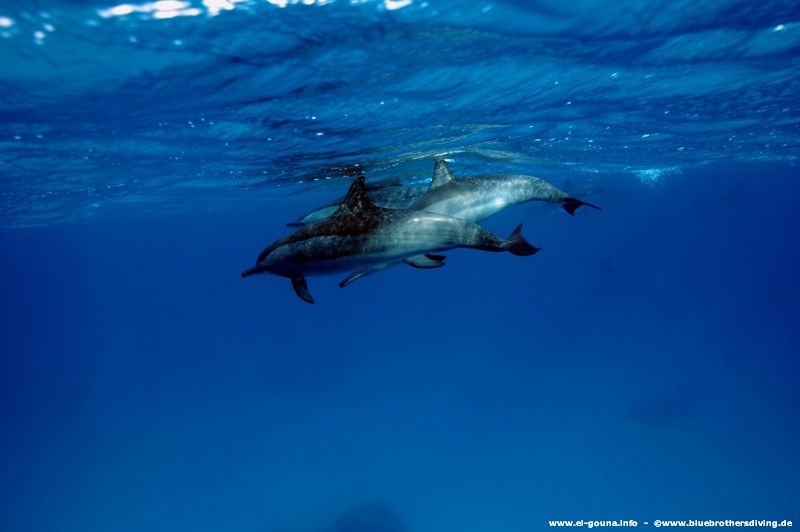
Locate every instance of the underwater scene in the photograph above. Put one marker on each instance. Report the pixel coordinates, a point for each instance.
(399, 265)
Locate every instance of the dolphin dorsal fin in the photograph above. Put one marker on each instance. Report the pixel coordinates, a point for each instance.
(441, 174)
(356, 199)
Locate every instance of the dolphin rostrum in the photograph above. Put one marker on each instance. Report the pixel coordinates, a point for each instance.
(476, 198)
(363, 237)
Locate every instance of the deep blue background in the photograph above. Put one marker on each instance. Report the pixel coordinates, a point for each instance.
(643, 366)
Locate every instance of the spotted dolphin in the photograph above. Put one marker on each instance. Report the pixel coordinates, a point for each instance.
(473, 199)
(365, 238)
(476, 198)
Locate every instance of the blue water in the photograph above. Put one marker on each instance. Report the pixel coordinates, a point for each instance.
(643, 366)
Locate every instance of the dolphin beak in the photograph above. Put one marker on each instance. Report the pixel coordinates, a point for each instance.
(251, 271)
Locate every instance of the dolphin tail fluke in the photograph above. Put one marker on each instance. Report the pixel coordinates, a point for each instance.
(571, 205)
(517, 244)
(301, 289)
(251, 271)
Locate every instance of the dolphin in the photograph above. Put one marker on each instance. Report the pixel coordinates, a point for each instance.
(476, 198)
(473, 199)
(363, 237)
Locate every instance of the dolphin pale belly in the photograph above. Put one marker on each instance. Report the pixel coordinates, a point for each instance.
(476, 198)
(365, 238)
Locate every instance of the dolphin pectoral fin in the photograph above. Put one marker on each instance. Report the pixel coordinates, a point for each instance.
(517, 245)
(426, 261)
(571, 205)
(358, 274)
(301, 289)
(361, 272)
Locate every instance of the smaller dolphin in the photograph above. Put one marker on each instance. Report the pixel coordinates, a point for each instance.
(476, 198)
(473, 199)
(366, 238)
